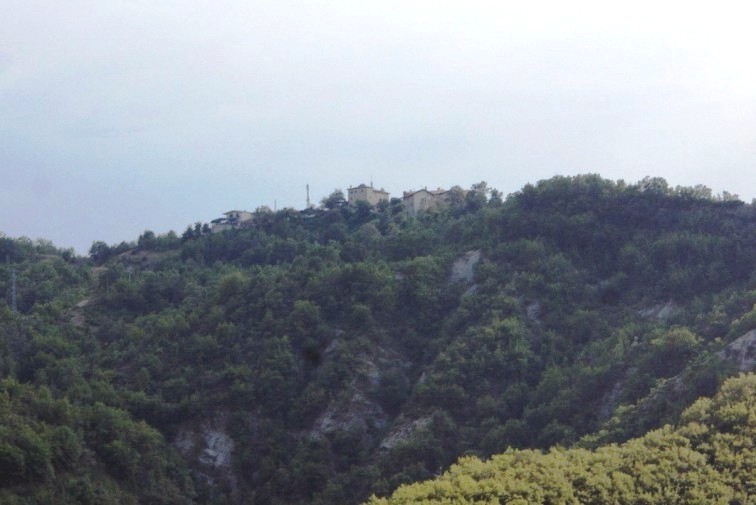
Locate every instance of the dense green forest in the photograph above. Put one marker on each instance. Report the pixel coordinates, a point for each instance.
(708, 458)
(328, 355)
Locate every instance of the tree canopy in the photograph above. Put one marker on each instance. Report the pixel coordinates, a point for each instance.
(326, 355)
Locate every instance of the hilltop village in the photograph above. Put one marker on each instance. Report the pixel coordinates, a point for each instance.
(413, 202)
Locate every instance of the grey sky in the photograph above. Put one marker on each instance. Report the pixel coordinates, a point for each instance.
(120, 116)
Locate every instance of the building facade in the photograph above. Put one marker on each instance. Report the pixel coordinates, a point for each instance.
(232, 220)
(366, 193)
(238, 216)
(423, 200)
(427, 199)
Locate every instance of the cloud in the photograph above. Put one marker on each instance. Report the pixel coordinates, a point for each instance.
(158, 114)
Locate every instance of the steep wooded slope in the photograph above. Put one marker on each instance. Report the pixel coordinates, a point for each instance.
(319, 357)
(709, 457)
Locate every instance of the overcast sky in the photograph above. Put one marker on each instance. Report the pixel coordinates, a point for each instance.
(120, 116)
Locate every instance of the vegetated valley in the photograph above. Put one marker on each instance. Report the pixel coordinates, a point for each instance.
(334, 354)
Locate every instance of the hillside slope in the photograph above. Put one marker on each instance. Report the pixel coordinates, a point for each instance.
(319, 357)
(709, 457)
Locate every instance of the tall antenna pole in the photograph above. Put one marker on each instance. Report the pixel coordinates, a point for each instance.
(308, 196)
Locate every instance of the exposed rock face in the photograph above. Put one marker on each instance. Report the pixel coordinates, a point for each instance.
(462, 269)
(83, 303)
(742, 352)
(76, 314)
(357, 410)
(533, 311)
(210, 447)
(217, 451)
(355, 414)
(609, 402)
(403, 432)
(471, 290)
(662, 311)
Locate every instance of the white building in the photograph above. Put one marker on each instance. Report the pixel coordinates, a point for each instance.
(232, 220)
(238, 216)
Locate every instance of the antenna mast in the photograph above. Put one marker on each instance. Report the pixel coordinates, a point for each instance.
(308, 196)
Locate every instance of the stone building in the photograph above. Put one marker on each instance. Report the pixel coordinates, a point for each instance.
(366, 193)
(427, 199)
(423, 200)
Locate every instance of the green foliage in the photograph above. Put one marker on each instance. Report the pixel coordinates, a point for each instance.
(335, 200)
(336, 353)
(708, 458)
(47, 444)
